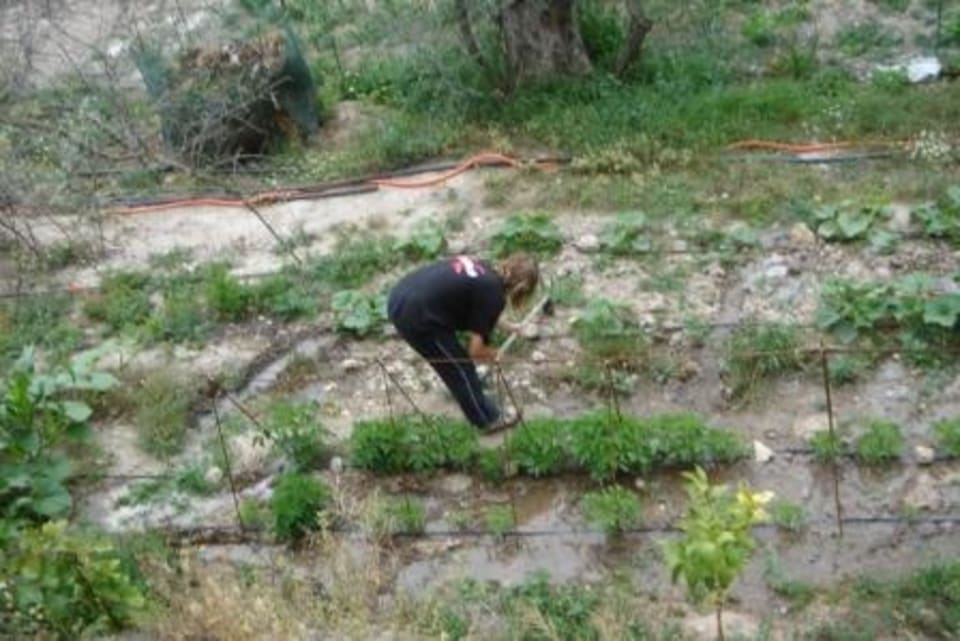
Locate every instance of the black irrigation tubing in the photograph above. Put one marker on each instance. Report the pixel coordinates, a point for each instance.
(246, 535)
(814, 160)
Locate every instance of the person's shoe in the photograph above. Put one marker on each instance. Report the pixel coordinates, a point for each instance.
(509, 419)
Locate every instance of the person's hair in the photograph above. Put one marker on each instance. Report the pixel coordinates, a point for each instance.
(520, 275)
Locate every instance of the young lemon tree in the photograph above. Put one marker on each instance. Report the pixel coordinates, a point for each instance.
(717, 540)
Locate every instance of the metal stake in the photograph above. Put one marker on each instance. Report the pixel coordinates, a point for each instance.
(833, 437)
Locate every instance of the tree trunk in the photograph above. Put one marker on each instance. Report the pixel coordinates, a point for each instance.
(720, 621)
(638, 29)
(541, 39)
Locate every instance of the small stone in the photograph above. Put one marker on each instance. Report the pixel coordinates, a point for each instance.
(213, 476)
(925, 454)
(762, 453)
(802, 236)
(639, 483)
(456, 483)
(680, 246)
(775, 272)
(900, 218)
(350, 365)
(804, 428)
(456, 247)
(587, 243)
(716, 271)
(336, 465)
(689, 370)
(538, 356)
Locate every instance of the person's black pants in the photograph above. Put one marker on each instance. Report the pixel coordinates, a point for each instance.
(448, 358)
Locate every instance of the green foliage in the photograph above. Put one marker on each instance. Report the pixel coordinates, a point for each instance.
(359, 313)
(760, 28)
(355, 260)
(405, 515)
(859, 39)
(499, 520)
(123, 301)
(717, 539)
(285, 297)
(566, 611)
(614, 509)
(533, 232)
(827, 446)
(625, 236)
(881, 443)
(845, 369)
(296, 503)
(941, 219)
(40, 321)
(947, 433)
(297, 433)
(192, 480)
(910, 311)
(788, 516)
(254, 514)
(64, 582)
(163, 402)
(409, 444)
(567, 290)
(181, 319)
(426, 241)
(608, 332)
(601, 28)
(227, 298)
(848, 222)
(39, 418)
(756, 353)
(538, 447)
(489, 464)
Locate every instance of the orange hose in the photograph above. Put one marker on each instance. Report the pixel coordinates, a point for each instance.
(474, 161)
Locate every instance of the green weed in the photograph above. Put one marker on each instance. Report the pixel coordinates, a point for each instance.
(947, 433)
(941, 219)
(226, 297)
(848, 222)
(405, 515)
(865, 37)
(532, 232)
(799, 594)
(788, 516)
(143, 493)
(410, 444)
(181, 319)
(827, 446)
(41, 321)
(123, 301)
(881, 443)
(757, 353)
(355, 260)
(297, 434)
(614, 509)
(567, 290)
(626, 235)
(499, 520)
(192, 480)
(844, 369)
(254, 514)
(162, 412)
(608, 332)
(538, 447)
(359, 313)
(285, 297)
(296, 503)
(426, 241)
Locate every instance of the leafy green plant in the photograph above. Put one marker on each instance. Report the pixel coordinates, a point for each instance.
(64, 582)
(182, 317)
(226, 297)
(788, 515)
(40, 322)
(608, 332)
(163, 402)
(285, 297)
(859, 39)
(567, 290)
(942, 218)
(947, 433)
(296, 433)
(359, 313)
(717, 539)
(532, 232)
(760, 28)
(499, 520)
(827, 446)
(123, 301)
(614, 509)
(355, 260)
(406, 515)
(489, 463)
(193, 480)
(538, 447)
(426, 241)
(881, 443)
(254, 514)
(848, 222)
(296, 503)
(844, 369)
(410, 444)
(625, 235)
(39, 418)
(756, 353)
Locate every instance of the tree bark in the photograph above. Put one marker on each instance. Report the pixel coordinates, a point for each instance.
(640, 26)
(466, 33)
(541, 39)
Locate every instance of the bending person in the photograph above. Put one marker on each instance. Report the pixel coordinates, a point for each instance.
(429, 305)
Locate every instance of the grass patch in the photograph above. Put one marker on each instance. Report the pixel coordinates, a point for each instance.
(162, 411)
(499, 520)
(758, 353)
(827, 447)
(947, 433)
(788, 516)
(882, 443)
(42, 321)
(614, 510)
(296, 503)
